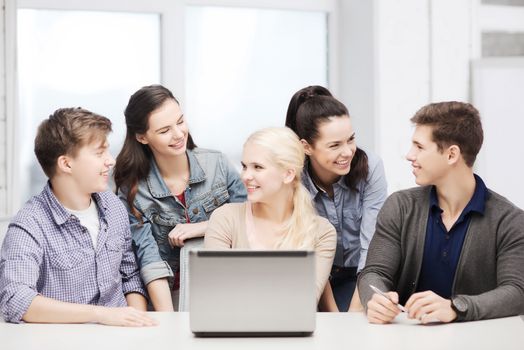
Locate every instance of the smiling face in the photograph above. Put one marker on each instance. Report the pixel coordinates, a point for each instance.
(167, 132)
(261, 176)
(429, 164)
(331, 153)
(90, 166)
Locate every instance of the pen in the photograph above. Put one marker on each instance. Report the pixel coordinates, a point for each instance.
(376, 290)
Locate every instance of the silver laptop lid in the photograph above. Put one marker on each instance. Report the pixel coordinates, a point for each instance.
(247, 291)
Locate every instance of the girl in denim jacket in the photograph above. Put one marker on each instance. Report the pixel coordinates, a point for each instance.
(169, 186)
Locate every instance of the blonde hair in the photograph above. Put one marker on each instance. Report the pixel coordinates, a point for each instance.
(287, 152)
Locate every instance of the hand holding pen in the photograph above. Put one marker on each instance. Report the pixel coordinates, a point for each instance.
(376, 290)
(383, 307)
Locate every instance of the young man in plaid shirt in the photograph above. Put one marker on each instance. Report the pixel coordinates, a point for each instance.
(67, 255)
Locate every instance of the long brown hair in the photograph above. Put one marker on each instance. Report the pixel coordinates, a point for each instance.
(133, 161)
(314, 105)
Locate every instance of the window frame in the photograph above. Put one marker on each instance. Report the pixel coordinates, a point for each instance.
(172, 55)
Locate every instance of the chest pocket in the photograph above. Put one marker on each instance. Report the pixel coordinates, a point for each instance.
(161, 227)
(351, 218)
(215, 199)
(68, 260)
(115, 251)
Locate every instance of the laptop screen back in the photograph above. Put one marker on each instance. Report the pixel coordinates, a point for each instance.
(252, 292)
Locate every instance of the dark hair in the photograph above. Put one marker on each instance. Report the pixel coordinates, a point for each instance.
(453, 123)
(65, 132)
(133, 161)
(298, 98)
(313, 106)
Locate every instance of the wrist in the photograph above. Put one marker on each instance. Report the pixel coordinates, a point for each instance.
(136, 300)
(202, 229)
(97, 314)
(459, 307)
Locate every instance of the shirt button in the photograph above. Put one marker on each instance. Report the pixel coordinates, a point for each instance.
(447, 236)
(444, 254)
(195, 211)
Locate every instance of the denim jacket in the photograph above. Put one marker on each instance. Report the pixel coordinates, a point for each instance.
(212, 182)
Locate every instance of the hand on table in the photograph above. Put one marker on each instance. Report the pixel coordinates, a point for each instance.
(123, 316)
(430, 307)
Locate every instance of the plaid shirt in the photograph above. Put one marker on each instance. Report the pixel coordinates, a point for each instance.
(47, 252)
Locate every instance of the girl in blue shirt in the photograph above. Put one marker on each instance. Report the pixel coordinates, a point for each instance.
(347, 184)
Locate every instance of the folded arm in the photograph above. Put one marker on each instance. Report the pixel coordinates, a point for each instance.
(46, 310)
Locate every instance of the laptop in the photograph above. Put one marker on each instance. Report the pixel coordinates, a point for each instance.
(252, 293)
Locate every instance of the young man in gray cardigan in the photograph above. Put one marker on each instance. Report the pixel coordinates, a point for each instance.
(451, 249)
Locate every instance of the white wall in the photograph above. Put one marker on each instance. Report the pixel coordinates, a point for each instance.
(3, 129)
(403, 81)
(498, 90)
(453, 39)
(358, 68)
(397, 56)
(4, 222)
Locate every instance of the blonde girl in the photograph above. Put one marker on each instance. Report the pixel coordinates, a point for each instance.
(279, 213)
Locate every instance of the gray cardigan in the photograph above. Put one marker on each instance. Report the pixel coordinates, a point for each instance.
(490, 271)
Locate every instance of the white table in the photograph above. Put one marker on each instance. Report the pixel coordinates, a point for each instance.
(334, 331)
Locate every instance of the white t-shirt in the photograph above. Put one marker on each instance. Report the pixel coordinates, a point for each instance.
(89, 219)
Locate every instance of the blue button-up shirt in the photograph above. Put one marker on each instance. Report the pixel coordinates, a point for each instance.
(442, 248)
(47, 252)
(352, 213)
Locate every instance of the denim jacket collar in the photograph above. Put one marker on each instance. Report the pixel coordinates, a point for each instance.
(158, 187)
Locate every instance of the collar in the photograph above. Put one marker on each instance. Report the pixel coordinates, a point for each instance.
(157, 185)
(60, 214)
(477, 203)
(312, 187)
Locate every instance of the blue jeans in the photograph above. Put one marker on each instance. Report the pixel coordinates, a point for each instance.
(343, 281)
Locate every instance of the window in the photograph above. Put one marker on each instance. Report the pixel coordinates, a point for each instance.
(243, 66)
(79, 64)
(233, 68)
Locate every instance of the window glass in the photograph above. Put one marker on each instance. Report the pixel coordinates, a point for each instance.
(88, 59)
(242, 67)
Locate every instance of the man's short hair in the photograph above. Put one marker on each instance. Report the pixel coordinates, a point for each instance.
(453, 123)
(65, 132)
